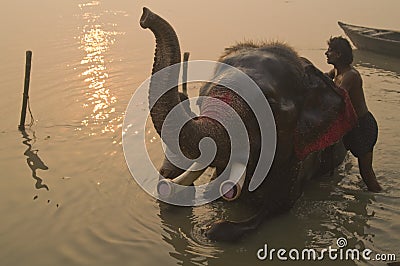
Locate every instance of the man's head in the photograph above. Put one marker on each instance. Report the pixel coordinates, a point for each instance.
(339, 51)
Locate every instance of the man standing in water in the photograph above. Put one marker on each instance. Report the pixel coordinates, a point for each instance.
(361, 140)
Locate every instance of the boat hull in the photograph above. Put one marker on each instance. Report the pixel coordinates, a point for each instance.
(369, 39)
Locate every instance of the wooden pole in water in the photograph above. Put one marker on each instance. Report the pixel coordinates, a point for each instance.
(26, 89)
(184, 72)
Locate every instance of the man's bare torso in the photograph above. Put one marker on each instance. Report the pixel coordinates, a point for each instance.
(351, 81)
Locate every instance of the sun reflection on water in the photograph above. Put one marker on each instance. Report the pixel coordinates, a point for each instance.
(96, 39)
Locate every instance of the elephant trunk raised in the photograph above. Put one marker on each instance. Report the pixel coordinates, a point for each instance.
(167, 54)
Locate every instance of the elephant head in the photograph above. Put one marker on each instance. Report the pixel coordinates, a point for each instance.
(310, 115)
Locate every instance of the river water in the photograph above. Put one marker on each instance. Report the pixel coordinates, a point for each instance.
(67, 197)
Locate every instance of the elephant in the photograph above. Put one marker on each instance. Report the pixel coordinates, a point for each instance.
(311, 116)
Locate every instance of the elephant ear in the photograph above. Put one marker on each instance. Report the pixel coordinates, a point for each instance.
(326, 114)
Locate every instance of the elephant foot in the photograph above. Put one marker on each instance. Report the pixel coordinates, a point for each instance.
(225, 231)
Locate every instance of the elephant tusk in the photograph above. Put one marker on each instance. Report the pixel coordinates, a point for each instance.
(230, 189)
(167, 187)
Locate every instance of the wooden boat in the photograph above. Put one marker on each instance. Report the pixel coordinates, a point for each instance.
(376, 40)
